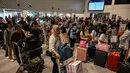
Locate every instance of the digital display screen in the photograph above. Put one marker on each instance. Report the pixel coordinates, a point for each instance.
(96, 0)
(96, 5)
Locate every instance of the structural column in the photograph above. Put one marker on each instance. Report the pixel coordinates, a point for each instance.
(24, 13)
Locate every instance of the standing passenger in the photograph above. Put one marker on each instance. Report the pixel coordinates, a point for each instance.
(17, 36)
(53, 45)
(7, 41)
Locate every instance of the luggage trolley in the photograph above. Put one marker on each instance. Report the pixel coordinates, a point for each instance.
(62, 65)
(65, 59)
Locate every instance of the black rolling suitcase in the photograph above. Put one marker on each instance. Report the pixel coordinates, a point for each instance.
(91, 51)
(124, 67)
(100, 58)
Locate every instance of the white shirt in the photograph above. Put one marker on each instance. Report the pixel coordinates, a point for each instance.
(124, 40)
(53, 43)
(103, 38)
(93, 34)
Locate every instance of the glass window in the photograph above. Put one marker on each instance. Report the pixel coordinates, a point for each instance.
(108, 2)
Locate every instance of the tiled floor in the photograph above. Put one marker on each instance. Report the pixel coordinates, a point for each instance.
(6, 66)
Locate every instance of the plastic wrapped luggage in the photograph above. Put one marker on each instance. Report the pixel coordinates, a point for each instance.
(81, 54)
(113, 61)
(100, 58)
(74, 67)
(123, 67)
(103, 47)
(62, 66)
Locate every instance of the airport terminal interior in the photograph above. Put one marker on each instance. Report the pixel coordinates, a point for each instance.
(64, 36)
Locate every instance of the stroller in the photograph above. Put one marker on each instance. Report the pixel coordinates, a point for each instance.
(30, 56)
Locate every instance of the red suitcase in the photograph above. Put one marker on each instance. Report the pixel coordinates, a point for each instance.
(113, 61)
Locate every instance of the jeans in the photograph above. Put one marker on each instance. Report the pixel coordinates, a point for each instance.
(72, 42)
(10, 52)
(16, 53)
(6, 51)
(123, 54)
(55, 66)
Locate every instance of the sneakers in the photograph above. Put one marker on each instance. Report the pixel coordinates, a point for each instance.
(12, 60)
(7, 57)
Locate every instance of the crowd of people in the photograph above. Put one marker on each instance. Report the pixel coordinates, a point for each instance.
(56, 30)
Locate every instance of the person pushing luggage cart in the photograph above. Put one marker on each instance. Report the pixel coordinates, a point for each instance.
(55, 48)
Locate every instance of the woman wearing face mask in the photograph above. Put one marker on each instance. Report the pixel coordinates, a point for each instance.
(53, 45)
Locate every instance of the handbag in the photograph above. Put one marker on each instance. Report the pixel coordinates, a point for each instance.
(48, 53)
(83, 44)
(103, 47)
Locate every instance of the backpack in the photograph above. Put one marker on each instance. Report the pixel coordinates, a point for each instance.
(7, 32)
(30, 43)
(35, 65)
(65, 52)
(69, 30)
(73, 33)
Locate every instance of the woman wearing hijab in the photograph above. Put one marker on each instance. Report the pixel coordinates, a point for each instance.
(53, 45)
